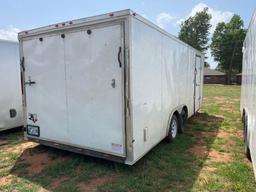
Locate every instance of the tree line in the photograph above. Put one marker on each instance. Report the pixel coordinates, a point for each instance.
(226, 41)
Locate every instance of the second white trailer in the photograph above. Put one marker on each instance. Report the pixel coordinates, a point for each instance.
(248, 92)
(11, 112)
(111, 86)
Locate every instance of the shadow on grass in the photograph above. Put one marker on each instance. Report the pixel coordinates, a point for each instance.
(168, 167)
(10, 136)
(5, 133)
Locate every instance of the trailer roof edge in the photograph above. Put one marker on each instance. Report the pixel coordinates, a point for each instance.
(106, 16)
(73, 23)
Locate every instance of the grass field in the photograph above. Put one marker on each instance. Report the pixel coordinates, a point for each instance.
(208, 157)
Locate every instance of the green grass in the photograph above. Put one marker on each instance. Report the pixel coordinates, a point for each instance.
(185, 165)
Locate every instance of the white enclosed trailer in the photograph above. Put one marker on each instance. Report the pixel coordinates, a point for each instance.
(248, 92)
(11, 112)
(109, 86)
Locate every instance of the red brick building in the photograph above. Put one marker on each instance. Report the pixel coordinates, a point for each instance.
(238, 78)
(214, 77)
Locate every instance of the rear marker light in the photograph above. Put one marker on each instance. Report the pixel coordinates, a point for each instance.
(13, 113)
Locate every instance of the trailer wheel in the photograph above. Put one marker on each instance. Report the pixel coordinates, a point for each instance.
(183, 121)
(247, 151)
(173, 129)
(243, 116)
(246, 146)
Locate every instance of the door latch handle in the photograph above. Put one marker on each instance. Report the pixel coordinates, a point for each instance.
(113, 83)
(29, 82)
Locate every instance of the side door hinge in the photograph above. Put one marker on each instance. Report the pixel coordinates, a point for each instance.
(127, 106)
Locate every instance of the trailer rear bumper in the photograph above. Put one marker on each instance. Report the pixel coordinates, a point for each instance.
(82, 151)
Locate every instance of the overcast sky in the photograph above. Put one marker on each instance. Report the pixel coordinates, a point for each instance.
(17, 15)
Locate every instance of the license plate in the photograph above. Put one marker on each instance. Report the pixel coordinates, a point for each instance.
(33, 130)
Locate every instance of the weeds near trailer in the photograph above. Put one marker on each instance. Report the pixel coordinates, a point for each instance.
(208, 157)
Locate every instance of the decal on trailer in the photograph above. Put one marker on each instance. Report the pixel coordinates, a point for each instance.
(32, 117)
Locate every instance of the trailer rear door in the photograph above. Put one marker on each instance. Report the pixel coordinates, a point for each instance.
(74, 87)
(95, 89)
(45, 86)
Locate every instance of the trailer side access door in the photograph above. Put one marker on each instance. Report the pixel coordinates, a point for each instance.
(198, 83)
(74, 87)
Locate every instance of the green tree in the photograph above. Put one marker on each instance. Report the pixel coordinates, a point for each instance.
(206, 65)
(226, 46)
(195, 30)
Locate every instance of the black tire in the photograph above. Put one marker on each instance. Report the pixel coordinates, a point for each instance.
(246, 146)
(247, 151)
(243, 117)
(173, 129)
(245, 129)
(183, 121)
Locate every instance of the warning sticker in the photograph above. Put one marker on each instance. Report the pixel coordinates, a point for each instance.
(117, 147)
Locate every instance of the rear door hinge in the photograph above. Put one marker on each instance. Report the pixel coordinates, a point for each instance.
(126, 56)
(119, 56)
(22, 63)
